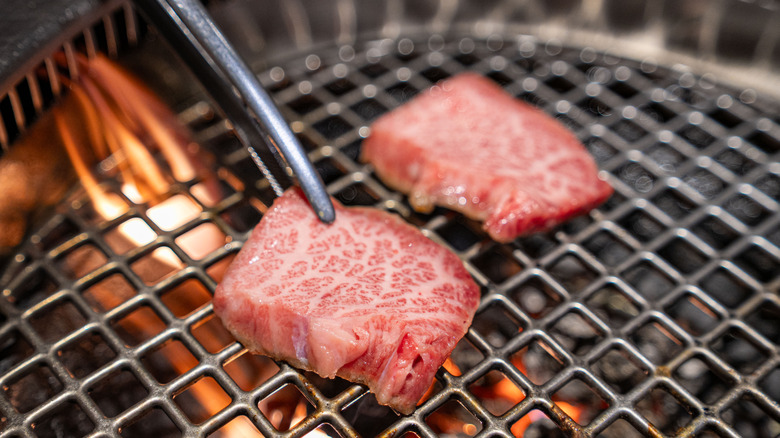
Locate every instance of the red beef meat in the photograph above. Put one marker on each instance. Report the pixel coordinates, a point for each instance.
(368, 298)
(467, 145)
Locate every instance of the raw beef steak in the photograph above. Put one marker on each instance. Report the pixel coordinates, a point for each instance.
(467, 145)
(367, 298)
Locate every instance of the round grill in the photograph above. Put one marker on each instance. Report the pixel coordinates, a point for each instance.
(656, 314)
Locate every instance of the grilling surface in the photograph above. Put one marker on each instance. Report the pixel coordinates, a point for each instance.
(656, 314)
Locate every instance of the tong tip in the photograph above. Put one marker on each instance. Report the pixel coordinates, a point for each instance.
(325, 212)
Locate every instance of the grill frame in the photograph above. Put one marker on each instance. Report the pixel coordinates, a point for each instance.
(29, 47)
(320, 68)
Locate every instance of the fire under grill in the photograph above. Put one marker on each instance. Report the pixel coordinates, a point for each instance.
(655, 315)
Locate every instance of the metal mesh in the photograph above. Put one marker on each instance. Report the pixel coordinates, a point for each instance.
(656, 314)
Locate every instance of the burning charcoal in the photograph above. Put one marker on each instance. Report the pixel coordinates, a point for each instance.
(656, 342)
(536, 424)
(68, 416)
(285, 408)
(33, 175)
(117, 392)
(32, 388)
(369, 417)
(201, 400)
(750, 419)
(118, 116)
(665, 411)
(619, 370)
(453, 419)
(154, 422)
(620, 429)
(497, 392)
(538, 362)
(700, 379)
(250, 370)
(240, 426)
(544, 428)
(575, 333)
(580, 401)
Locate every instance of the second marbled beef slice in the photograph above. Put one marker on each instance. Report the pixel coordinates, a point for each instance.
(467, 145)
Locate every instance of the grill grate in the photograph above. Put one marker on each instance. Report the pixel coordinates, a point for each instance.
(655, 314)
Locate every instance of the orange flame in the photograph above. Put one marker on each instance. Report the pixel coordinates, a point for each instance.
(126, 122)
(108, 207)
(114, 109)
(135, 160)
(451, 368)
(142, 107)
(285, 408)
(504, 390)
(501, 393)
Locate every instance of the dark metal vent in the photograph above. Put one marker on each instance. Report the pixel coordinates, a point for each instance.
(24, 98)
(656, 314)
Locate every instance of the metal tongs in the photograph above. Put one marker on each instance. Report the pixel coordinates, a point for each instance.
(255, 118)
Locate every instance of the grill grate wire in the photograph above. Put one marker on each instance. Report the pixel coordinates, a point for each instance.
(672, 282)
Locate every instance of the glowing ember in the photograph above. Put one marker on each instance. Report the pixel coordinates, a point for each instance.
(451, 368)
(320, 433)
(284, 408)
(202, 240)
(498, 393)
(173, 212)
(518, 429)
(240, 426)
(453, 419)
(299, 413)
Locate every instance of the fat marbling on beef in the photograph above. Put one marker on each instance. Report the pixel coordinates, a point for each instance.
(468, 145)
(368, 298)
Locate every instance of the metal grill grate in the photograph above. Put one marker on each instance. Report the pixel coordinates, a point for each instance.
(657, 314)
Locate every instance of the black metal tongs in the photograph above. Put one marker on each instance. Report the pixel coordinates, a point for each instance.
(226, 77)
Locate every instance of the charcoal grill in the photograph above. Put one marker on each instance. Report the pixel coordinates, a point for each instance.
(656, 314)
